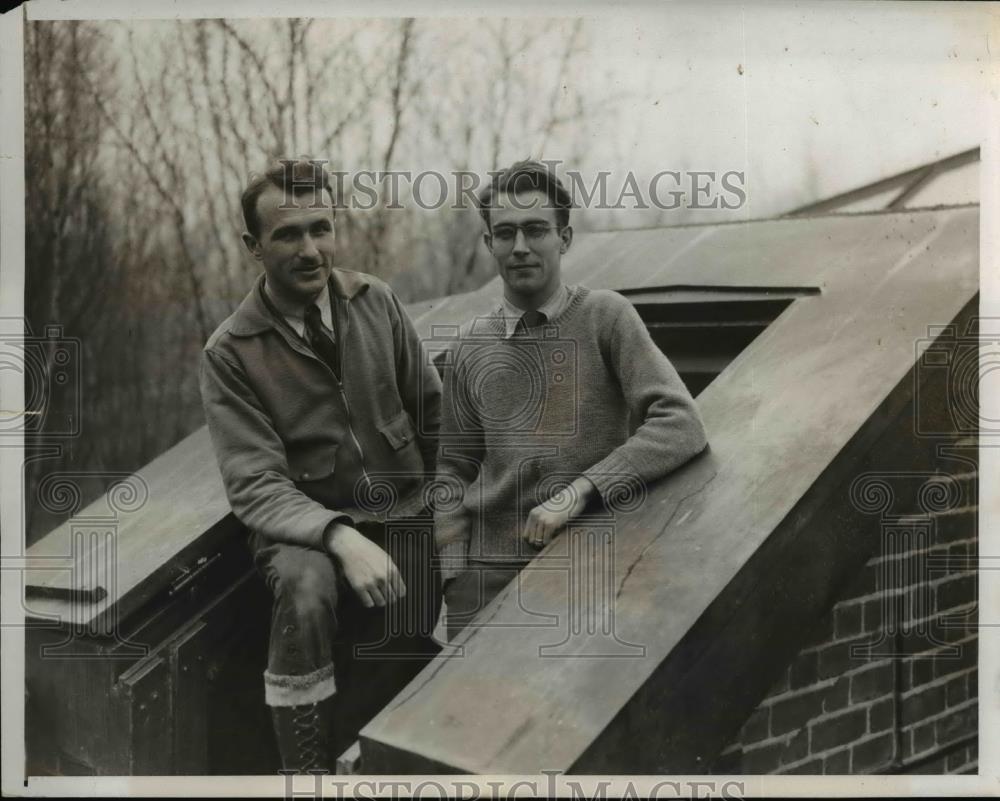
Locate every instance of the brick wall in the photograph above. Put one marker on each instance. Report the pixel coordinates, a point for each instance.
(888, 682)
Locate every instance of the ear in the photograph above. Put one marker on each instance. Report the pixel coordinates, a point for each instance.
(252, 244)
(566, 235)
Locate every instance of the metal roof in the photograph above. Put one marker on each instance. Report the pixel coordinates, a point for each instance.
(947, 181)
(794, 254)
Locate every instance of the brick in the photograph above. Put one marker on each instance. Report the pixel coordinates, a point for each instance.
(944, 654)
(919, 603)
(813, 767)
(957, 760)
(837, 659)
(950, 661)
(881, 716)
(973, 684)
(967, 657)
(959, 553)
(833, 660)
(782, 685)
(796, 748)
(804, 670)
(843, 728)
(922, 638)
(757, 726)
(956, 592)
(923, 643)
(957, 690)
(960, 526)
(838, 763)
(874, 616)
(847, 620)
(796, 712)
(873, 754)
(921, 671)
(764, 759)
(935, 767)
(872, 683)
(837, 695)
(956, 626)
(923, 739)
(955, 725)
(923, 703)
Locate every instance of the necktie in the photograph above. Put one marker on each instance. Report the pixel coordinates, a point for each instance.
(530, 319)
(322, 340)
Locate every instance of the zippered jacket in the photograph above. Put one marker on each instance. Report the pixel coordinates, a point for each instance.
(298, 448)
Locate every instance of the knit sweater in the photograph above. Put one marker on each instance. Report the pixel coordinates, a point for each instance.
(587, 393)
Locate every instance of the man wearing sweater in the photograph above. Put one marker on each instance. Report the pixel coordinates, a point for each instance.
(556, 401)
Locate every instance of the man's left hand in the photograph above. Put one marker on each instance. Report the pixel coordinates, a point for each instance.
(547, 519)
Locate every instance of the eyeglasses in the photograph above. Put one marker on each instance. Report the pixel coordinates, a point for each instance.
(533, 231)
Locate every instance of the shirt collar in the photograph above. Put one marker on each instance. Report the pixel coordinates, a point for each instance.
(552, 307)
(295, 315)
(253, 316)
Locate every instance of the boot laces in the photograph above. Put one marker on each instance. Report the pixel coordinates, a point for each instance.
(306, 724)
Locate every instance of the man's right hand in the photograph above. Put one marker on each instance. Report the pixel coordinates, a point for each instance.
(368, 569)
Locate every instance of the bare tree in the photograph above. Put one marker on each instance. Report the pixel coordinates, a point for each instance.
(133, 213)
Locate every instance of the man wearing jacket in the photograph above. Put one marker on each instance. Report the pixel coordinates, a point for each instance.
(556, 401)
(320, 407)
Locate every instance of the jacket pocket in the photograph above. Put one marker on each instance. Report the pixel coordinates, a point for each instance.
(399, 431)
(312, 464)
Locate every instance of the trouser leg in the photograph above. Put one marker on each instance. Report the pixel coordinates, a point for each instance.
(299, 683)
(318, 623)
(304, 622)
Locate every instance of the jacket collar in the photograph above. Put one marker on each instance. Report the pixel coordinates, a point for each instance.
(254, 316)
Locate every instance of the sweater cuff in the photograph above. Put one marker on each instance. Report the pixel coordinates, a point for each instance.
(615, 479)
(453, 559)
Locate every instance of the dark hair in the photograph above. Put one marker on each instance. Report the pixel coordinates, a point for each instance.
(524, 176)
(294, 176)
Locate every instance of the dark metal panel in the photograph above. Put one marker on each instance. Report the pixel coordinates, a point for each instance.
(189, 654)
(146, 734)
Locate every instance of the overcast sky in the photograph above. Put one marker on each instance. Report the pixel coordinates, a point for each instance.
(807, 99)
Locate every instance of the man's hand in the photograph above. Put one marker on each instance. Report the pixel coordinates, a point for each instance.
(368, 569)
(547, 519)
